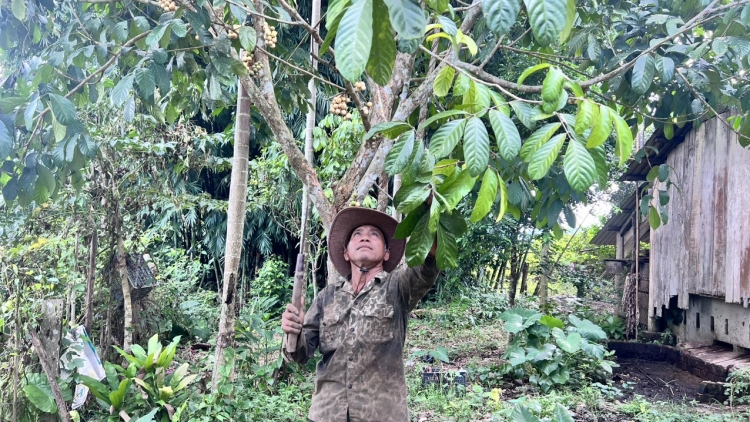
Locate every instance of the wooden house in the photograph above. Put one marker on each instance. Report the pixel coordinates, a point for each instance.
(696, 278)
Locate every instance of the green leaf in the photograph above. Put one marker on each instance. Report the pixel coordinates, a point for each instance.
(501, 14)
(446, 254)
(389, 129)
(420, 242)
(6, 142)
(407, 18)
(458, 189)
(531, 70)
(462, 85)
(547, 19)
(586, 116)
(58, 129)
(63, 109)
(354, 39)
(624, 145)
(503, 199)
(579, 165)
(444, 81)
(525, 113)
(643, 74)
(146, 82)
(600, 161)
(562, 414)
(552, 89)
(500, 103)
(506, 134)
(745, 16)
(653, 218)
(570, 344)
(121, 91)
(39, 397)
(407, 225)
(28, 114)
(570, 18)
(383, 51)
(445, 139)
(537, 139)
(486, 197)
(149, 417)
(435, 210)
(602, 128)
(153, 39)
(515, 355)
(87, 146)
(334, 20)
(586, 328)
(248, 38)
(45, 178)
(409, 198)
(665, 68)
(454, 223)
(476, 146)
(398, 157)
(551, 322)
(543, 158)
(442, 115)
(18, 7)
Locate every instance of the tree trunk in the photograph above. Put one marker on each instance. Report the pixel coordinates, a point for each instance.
(90, 278)
(235, 229)
(524, 279)
(62, 408)
(543, 277)
(383, 192)
(122, 271)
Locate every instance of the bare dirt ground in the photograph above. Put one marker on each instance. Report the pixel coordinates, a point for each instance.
(656, 380)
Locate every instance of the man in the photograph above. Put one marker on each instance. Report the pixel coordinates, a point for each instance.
(359, 322)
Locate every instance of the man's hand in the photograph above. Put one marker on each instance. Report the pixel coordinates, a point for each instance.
(292, 319)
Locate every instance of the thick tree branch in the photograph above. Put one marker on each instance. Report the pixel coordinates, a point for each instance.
(269, 109)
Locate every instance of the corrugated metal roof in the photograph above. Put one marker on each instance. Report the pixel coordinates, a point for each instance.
(657, 149)
(623, 220)
(608, 234)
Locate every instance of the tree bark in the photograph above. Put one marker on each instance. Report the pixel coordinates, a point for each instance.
(524, 279)
(543, 277)
(90, 278)
(62, 408)
(235, 230)
(122, 271)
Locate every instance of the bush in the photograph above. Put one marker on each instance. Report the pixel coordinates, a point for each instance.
(273, 282)
(551, 354)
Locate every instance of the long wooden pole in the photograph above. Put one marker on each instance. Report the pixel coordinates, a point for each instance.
(298, 292)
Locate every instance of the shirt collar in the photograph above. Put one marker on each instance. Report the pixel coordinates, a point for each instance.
(378, 278)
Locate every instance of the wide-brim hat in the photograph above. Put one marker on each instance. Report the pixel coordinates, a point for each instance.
(349, 219)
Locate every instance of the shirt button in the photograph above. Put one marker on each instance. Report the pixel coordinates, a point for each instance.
(350, 386)
(351, 329)
(351, 358)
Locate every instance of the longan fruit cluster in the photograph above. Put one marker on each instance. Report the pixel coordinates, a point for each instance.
(360, 86)
(269, 35)
(339, 107)
(168, 5)
(234, 32)
(366, 109)
(252, 68)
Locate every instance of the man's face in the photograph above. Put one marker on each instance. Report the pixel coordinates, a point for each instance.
(366, 247)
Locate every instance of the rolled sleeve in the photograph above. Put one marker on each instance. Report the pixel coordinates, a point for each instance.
(415, 282)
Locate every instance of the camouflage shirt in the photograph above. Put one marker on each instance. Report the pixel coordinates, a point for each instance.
(362, 339)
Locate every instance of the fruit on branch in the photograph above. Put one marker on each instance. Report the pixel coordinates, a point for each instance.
(168, 5)
(269, 35)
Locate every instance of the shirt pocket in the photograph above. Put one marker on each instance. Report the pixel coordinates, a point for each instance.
(331, 331)
(378, 323)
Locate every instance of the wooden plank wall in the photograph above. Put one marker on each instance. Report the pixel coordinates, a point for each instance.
(705, 247)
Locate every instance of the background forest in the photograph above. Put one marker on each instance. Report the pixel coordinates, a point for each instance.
(163, 163)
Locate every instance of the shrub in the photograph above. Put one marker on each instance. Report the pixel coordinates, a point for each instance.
(550, 354)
